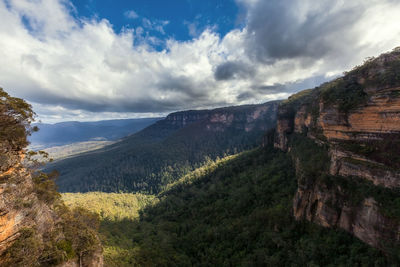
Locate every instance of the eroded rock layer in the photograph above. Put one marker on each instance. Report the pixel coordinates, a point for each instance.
(356, 118)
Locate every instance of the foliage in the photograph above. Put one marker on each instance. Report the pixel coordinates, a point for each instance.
(25, 251)
(109, 206)
(45, 187)
(74, 232)
(80, 228)
(313, 159)
(233, 212)
(314, 162)
(354, 190)
(116, 211)
(383, 149)
(381, 72)
(289, 107)
(346, 92)
(15, 118)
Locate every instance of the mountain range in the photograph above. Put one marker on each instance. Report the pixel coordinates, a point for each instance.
(65, 133)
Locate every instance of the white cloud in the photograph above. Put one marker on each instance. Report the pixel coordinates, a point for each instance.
(73, 68)
(156, 25)
(131, 14)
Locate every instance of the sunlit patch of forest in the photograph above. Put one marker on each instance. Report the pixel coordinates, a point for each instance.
(236, 211)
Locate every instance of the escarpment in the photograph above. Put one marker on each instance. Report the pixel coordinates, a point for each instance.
(344, 138)
(246, 117)
(36, 228)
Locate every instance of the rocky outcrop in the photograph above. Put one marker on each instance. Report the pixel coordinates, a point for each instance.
(329, 209)
(357, 117)
(36, 228)
(21, 208)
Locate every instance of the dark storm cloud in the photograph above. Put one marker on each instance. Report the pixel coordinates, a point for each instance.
(233, 69)
(282, 29)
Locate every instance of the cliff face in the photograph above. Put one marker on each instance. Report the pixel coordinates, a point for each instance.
(247, 117)
(356, 119)
(36, 228)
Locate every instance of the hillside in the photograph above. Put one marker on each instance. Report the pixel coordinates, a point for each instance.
(236, 211)
(158, 155)
(64, 133)
(36, 227)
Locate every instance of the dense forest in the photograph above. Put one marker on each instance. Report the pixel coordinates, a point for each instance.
(236, 211)
(158, 155)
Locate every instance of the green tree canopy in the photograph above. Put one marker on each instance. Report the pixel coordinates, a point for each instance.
(16, 116)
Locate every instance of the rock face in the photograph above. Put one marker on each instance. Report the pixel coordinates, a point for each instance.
(36, 228)
(357, 117)
(21, 208)
(247, 117)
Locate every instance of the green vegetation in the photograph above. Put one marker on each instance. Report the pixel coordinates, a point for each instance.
(383, 149)
(151, 159)
(380, 73)
(71, 233)
(313, 159)
(355, 190)
(25, 251)
(236, 211)
(314, 162)
(289, 107)
(346, 92)
(75, 236)
(15, 118)
(117, 213)
(110, 206)
(298, 98)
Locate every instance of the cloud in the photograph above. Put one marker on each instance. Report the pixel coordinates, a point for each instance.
(233, 70)
(131, 14)
(156, 25)
(73, 67)
(310, 30)
(192, 28)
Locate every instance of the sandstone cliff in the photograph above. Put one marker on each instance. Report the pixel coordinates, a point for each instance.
(36, 228)
(246, 117)
(344, 137)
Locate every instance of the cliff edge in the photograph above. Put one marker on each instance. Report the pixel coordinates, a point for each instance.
(36, 228)
(344, 138)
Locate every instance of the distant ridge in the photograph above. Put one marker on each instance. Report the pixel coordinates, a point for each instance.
(161, 153)
(69, 132)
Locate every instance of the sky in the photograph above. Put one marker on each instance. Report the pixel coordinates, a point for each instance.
(104, 59)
